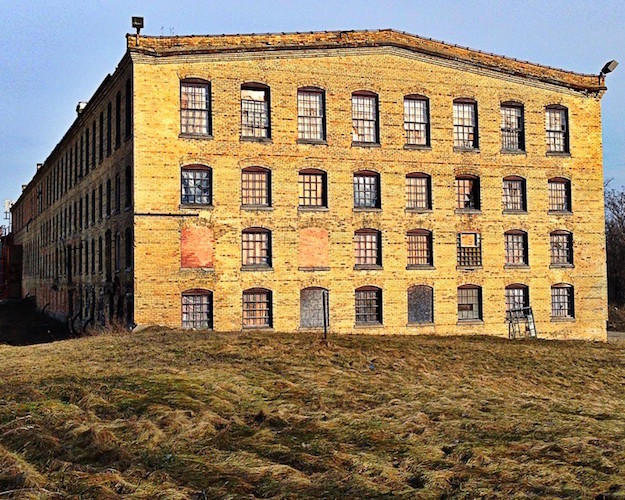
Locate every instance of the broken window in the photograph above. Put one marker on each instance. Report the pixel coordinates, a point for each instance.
(467, 192)
(368, 305)
(196, 185)
(195, 112)
(365, 117)
(255, 121)
(366, 190)
(514, 194)
(561, 244)
(562, 301)
(469, 250)
(469, 303)
(516, 248)
(257, 305)
(517, 297)
(559, 195)
(556, 126)
(256, 247)
(465, 124)
(512, 132)
(197, 309)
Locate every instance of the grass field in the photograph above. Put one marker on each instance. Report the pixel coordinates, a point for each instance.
(169, 414)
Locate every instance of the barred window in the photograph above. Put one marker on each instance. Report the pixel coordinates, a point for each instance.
(365, 117)
(559, 195)
(416, 120)
(197, 185)
(366, 190)
(255, 121)
(367, 247)
(512, 127)
(368, 305)
(312, 188)
(420, 304)
(197, 310)
(195, 103)
(562, 301)
(469, 303)
(256, 247)
(469, 250)
(419, 248)
(256, 187)
(516, 248)
(556, 126)
(514, 198)
(561, 244)
(311, 114)
(517, 297)
(467, 192)
(418, 191)
(257, 308)
(465, 124)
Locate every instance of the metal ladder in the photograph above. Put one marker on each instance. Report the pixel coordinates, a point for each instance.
(515, 317)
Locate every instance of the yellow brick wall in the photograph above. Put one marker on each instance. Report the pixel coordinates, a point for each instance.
(159, 153)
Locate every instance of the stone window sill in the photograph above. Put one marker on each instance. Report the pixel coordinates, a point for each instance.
(417, 267)
(257, 208)
(418, 210)
(366, 209)
(195, 206)
(559, 212)
(263, 140)
(312, 209)
(195, 136)
(312, 269)
(470, 322)
(368, 267)
(562, 319)
(468, 268)
(257, 268)
(561, 266)
(411, 325)
(357, 144)
(313, 142)
(513, 212)
(418, 147)
(563, 154)
(368, 325)
(516, 266)
(466, 150)
(518, 152)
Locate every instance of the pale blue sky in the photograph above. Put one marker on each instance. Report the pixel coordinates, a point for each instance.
(54, 54)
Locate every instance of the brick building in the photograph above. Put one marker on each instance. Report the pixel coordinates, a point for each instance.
(403, 185)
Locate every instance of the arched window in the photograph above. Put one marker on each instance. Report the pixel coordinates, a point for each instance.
(516, 248)
(312, 188)
(196, 185)
(257, 308)
(195, 107)
(561, 248)
(256, 247)
(417, 120)
(514, 194)
(418, 191)
(469, 303)
(311, 121)
(197, 309)
(367, 248)
(368, 305)
(367, 189)
(559, 194)
(420, 304)
(255, 114)
(557, 128)
(517, 298)
(314, 307)
(419, 248)
(465, 124)
(562, 301)
(512, 127)
(255, 187)
(467, 192)
(365, 119)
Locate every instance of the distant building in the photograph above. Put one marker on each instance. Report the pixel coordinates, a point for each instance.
(255, 181)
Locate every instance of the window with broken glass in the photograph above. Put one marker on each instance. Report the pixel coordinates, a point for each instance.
(465, 124)
(197, 310)
(195, 112)
(469, 303)
(517, 297)
(512, 131)
(561, 244)
(557, 130)
(562, 305)
(467, 193)
(257, 305)
(559, 195)
(514, 194)
(256, 248)
(196, 185)
(469, 250)
(365, 117)
(366, 190)
(368, 306)
(516, 248)
(255, 122)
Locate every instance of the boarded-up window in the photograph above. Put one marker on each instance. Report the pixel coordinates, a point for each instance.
(196, 247)
(313, 248)
(312, 309)
(420, 304)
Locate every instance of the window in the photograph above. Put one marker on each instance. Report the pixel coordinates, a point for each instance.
(101, 137)
(561, 244)
(100, 255)
(108, 197)
(118, 252)
(366, 190)
(512, 131)
(118, 120)
(419, 248)
(197, 310)
(128, 253)
(257, 308)
(256, 247)
(93, 207)
(365, 117)
(314, 307)
(517, 297)
(469, 250)
(556, 126)
(256, 187)
(93, 256)
(368, 306)
(418, 191)
(195, 112)
(93, 133)
(118, 193)
(197, 185)
(109, 113)
(420, 304)
(128, 184)
(312, 189)
(465, 124)
(559, 195)
(367, 248)
(562, 301)
(128, 109)
(516, 248)
(514, 199)
(469, 303)
(311, 114)
(255, 121)
(467, 192)
(416, 120)
(87, 150)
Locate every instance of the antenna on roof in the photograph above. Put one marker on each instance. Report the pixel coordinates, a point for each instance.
(137, 23)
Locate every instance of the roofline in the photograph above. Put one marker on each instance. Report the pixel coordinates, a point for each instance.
(163, 46)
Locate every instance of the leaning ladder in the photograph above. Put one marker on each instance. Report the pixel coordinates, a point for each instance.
(525, 315)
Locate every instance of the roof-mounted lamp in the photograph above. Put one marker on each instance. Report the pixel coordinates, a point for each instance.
(137, 23)
(607, 68)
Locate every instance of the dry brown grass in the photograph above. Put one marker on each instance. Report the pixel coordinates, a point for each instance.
(169, 414)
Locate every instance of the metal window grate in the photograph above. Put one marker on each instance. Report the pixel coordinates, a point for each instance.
(561, 245)
(255, 188)
(556, 129)
(255, 248)
(562, 301)
(366, 191)
(517, 298)
(516, 248)
(257, 309)
(197, 311)
(469, 304)
(310, 114)
(196, 186)
(312, 190)
(364, 118)
(513, 194)
(420, 249)
(254, 113)
(367, 248)
(465, 131)
(420, 304)
(194, 108)
(416, 121)
(469, 250)
(512, 128)
(418, 192)
(467, 193)
(559, 199)
(368, 307)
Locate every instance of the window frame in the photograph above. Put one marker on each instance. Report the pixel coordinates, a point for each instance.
(460, 130)
(412, 311)
(553, 195)
(268, 301)
(555, 253)
(302, 183)
(248, 245)
(512, 131)
(413, 190)
(464, 259)
(429, 255)
(511, 299)
(508, 199)
(375, 120)
(192, 168)
(301, 118)
(478, 316)
(474, 200)
(198, 83)
(569, 298)
(554, 134)
(377, 184)
(424, 124)
(206, 308)
(363, 249)
(511, 248)
(255, 86)
(375, 294)
(267, 188)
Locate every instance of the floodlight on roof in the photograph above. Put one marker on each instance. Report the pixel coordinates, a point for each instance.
(609, 67)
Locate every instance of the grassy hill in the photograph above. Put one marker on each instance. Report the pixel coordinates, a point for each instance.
(170, 414)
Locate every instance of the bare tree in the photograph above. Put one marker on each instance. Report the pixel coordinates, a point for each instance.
(615, 244)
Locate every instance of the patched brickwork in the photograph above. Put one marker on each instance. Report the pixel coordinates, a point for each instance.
(196, 247)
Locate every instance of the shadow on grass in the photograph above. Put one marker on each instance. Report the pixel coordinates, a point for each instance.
(22, 324)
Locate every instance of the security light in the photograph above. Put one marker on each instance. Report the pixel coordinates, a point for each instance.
(137, 22)
(609, 67)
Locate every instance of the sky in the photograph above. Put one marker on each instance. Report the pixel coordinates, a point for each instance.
(56, 53)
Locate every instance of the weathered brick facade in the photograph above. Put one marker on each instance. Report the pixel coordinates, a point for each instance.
(180, 247)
